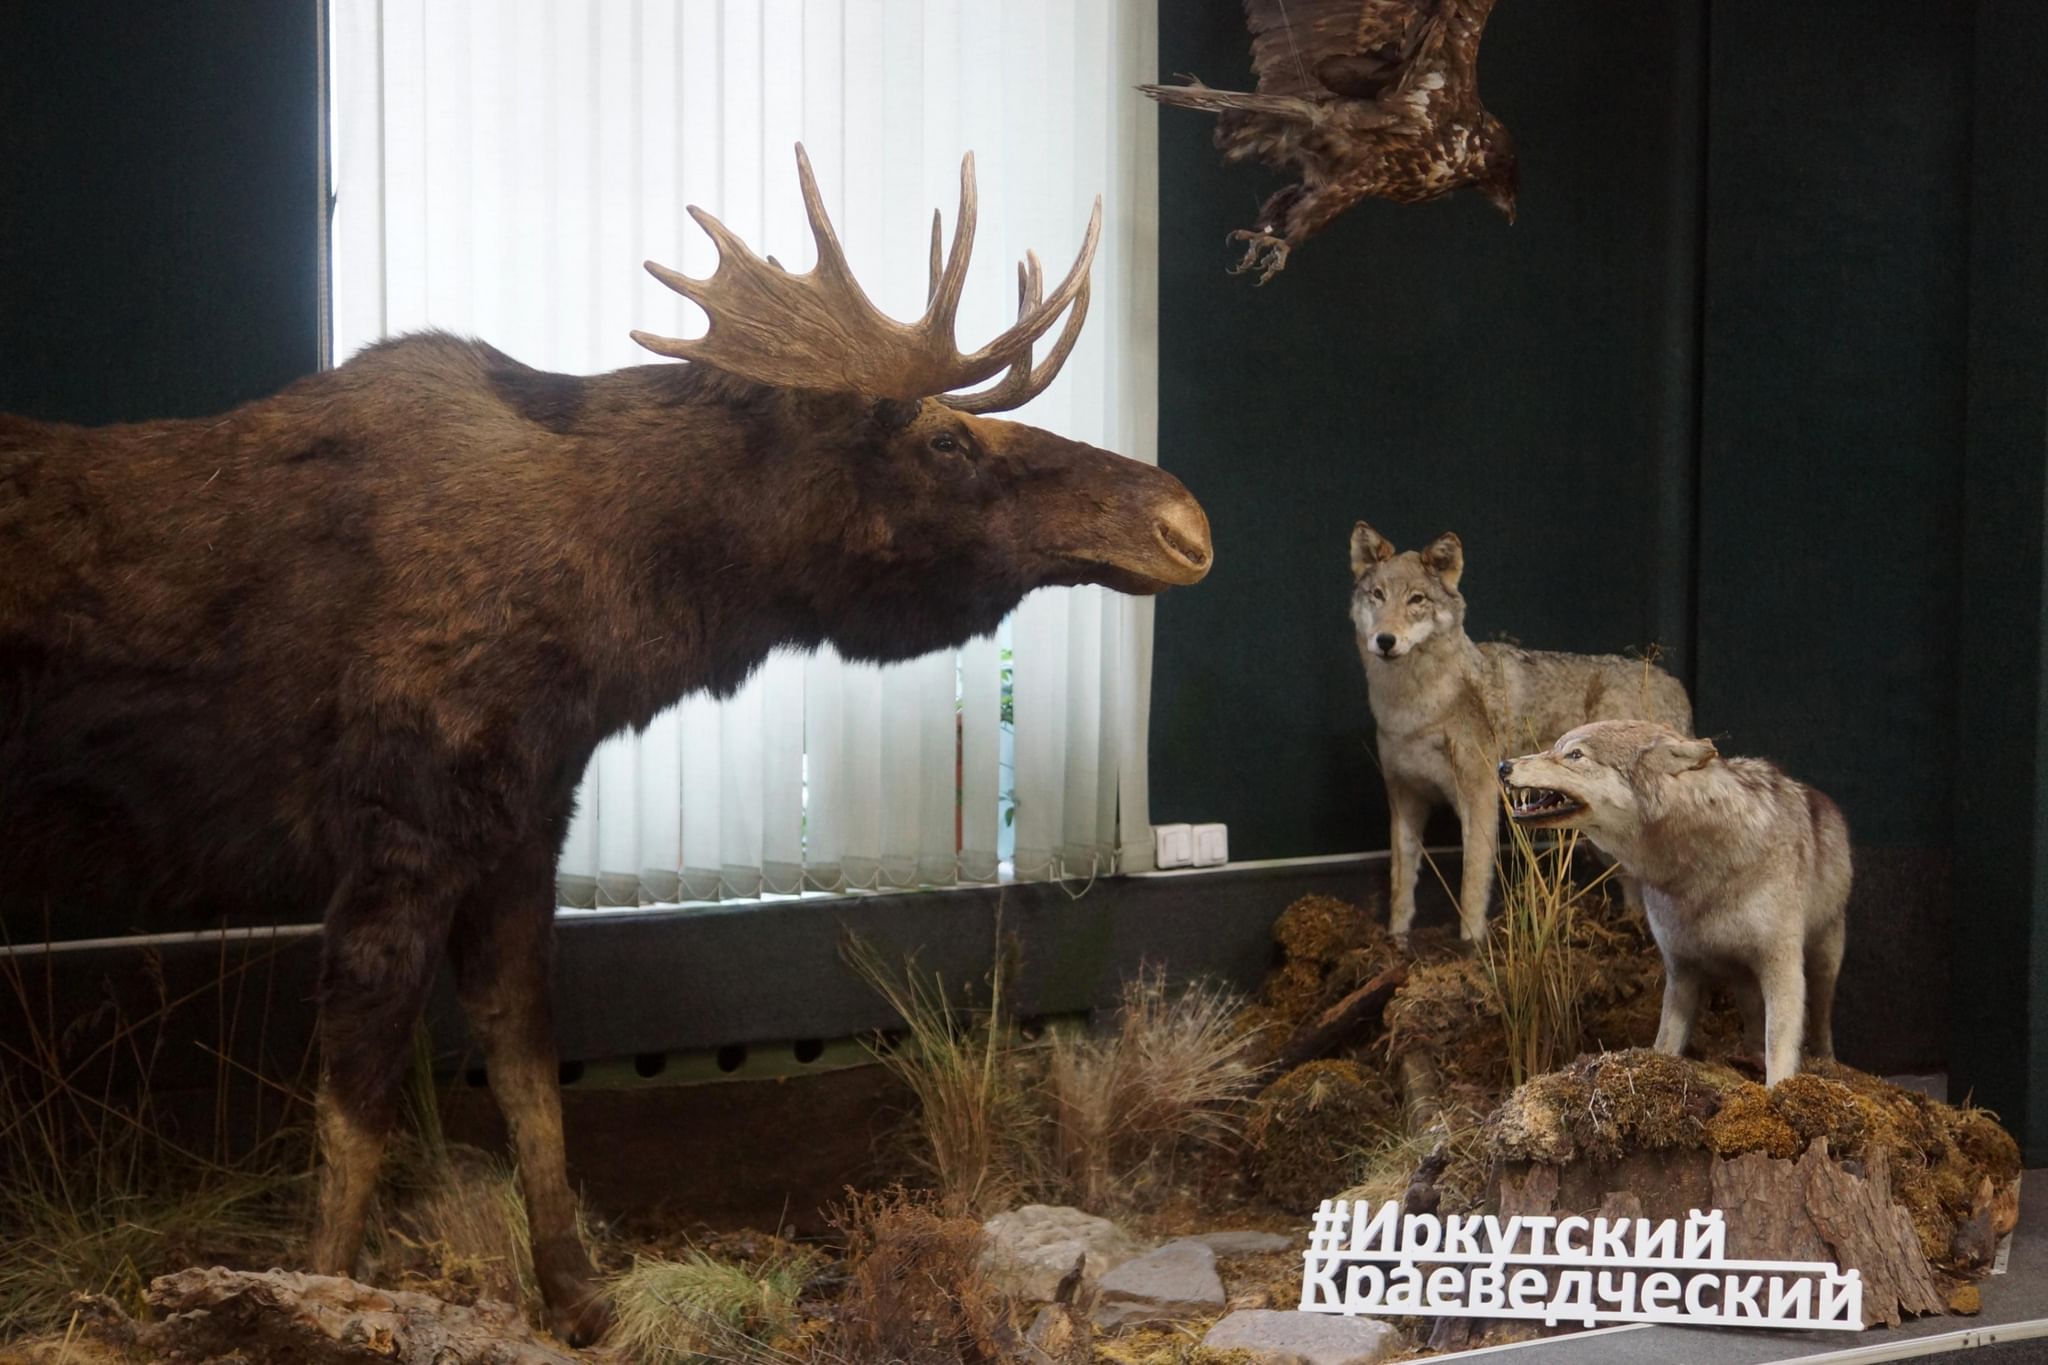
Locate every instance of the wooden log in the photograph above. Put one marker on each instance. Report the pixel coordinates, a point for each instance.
(1421, 1090)
(293, 1319)
(1350, 1020)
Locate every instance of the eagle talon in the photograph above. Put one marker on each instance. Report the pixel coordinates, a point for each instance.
(1262, 250)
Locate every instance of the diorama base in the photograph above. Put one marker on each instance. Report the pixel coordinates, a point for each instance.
(2015, 1311)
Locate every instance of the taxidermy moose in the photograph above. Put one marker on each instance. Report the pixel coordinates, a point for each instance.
(345, 651)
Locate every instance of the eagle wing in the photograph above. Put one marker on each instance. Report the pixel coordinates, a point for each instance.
(1464, 23)
(1316, 48)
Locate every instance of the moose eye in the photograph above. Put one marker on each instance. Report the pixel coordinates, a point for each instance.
(945, 443)
(1414, 599)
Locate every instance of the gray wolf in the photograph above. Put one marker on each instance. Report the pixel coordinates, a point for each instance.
(1745, 872)
(1448, 710)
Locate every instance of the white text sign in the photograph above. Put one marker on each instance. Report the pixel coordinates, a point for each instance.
(1572, 1269)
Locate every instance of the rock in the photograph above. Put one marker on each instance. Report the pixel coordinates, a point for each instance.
(1274, 1338)
(1032, 1248)
(1244, 1242)
(1177, 1281)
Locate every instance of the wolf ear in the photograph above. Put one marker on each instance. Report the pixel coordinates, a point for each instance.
(1368, 548)
(1445, 558)
(1672, 756)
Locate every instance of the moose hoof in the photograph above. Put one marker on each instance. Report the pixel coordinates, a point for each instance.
(578, 1311)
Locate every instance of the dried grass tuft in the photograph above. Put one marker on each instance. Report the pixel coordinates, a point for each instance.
(917, 1291)
(667, 1312)
(1124, 1106)
(975, 1117)
(1532, 971)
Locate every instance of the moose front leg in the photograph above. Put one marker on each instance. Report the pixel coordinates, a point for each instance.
(503, 952)
(381, 939)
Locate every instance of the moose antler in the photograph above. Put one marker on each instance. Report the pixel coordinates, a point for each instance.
(818, 330)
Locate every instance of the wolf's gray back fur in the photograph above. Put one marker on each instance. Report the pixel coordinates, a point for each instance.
(1448, 710)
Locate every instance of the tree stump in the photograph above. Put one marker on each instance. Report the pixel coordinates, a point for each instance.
(1813, 1209)
(296, 1319)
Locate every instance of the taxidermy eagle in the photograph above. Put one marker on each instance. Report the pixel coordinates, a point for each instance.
(1360, 98)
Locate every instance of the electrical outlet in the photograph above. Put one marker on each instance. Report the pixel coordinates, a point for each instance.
(1172, 846)
(1212, 845)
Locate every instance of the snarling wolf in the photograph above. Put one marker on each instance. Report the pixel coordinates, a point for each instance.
(1745, 872)
(1448, 710)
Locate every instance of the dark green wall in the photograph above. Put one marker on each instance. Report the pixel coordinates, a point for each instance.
(159, 205)
(1707, 393)
(1999, 1019)
(1428, 369)
(1760, 375)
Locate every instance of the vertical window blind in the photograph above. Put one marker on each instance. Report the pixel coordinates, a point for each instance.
(502, 167)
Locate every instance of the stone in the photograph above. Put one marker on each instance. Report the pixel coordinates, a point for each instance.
(1276, 1338)
(1245, 1242)
(1031, 1249)
(1177, 1281)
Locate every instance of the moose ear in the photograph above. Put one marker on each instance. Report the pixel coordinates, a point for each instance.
(1445, 558)
(1677, 755)
(1368, 548)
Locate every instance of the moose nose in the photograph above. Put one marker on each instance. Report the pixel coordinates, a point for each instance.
(1182, 530)
(1384, 643)
(1507, 766)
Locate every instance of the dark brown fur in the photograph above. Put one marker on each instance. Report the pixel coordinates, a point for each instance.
(344, 654)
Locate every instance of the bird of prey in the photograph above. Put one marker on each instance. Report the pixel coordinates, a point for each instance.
(1360, 98)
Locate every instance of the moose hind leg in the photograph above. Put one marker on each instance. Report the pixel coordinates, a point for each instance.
(379, 947)
(502, 950)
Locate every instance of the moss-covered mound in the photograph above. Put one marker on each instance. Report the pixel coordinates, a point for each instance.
(1327, 947)
(1603, 1107)
(1310, 1129)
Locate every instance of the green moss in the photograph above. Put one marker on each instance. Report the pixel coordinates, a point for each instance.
(1319, 929)
(1309, 1129)
(1604, 1106)
(1600, 1108)
(1746, 1122)
(1814, 1106)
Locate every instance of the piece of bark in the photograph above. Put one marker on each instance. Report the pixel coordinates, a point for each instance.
(1350, 1020)
(1813, 1209)
(1421, 1090)
(296, 1319)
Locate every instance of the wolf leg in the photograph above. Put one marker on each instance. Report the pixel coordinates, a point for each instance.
(1479, 813)
(503, 949)
(381, 940)
(1411, 811)
(1681, 1004)
(1783, 979)
(1823, 964)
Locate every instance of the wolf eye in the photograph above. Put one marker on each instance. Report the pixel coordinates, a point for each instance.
(945, 443)
(1415, 599)
(1377, 596)
(1576, 754)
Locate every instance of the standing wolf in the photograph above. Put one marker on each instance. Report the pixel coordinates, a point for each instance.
(1745, 872)
(1448, 710)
